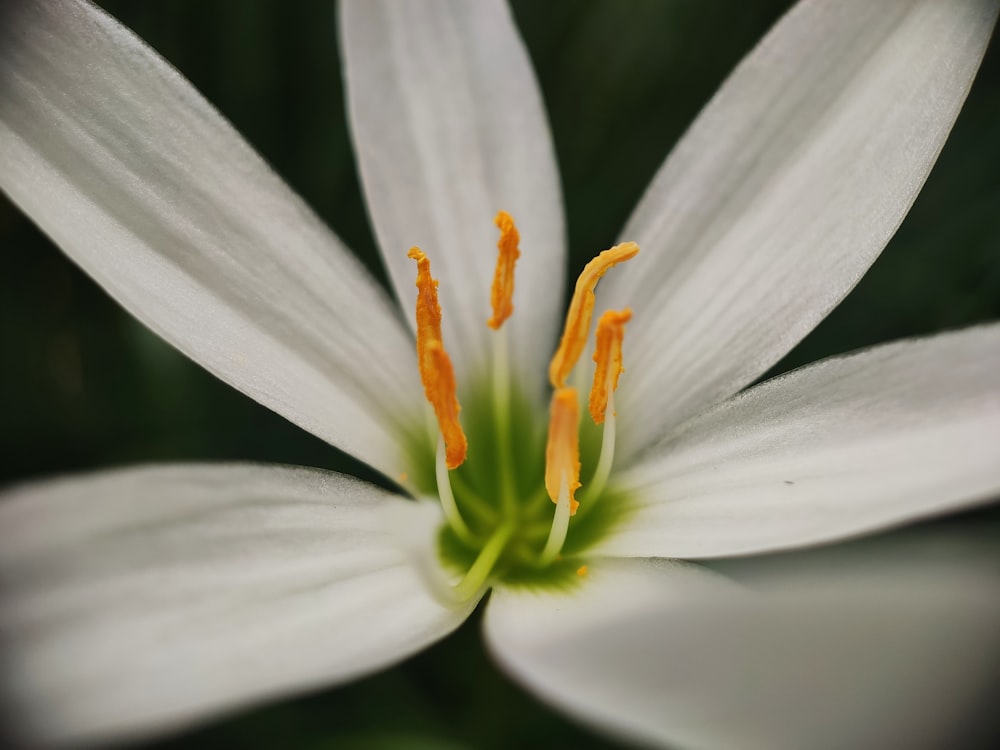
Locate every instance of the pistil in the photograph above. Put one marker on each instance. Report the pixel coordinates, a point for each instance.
(477, 577)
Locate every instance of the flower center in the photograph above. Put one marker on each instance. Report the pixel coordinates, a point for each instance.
(498, 470)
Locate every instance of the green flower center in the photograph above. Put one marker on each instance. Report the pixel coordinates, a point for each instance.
(497, 470)
(500, 494)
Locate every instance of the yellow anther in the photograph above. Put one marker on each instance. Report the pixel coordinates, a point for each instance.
(582, 571)
(502, 291)
(436, 371)
(581, 309)
(608, 356)
(562, 452)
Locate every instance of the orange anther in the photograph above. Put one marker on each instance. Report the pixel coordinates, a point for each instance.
(581, 309)
(428, 307)
(436, 371)
(608, 356)
(442, 392)
(562, 452)
(502, 291)
(582, 571)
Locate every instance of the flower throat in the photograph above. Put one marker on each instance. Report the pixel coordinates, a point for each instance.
(499, 469)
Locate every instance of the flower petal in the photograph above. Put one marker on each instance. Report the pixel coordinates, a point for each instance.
(449, 127)
(661, 653)
(142, 183)
(783, 192)
(137, 601)
(842, 447)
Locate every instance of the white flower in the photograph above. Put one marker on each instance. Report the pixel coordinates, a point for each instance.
(137, 601)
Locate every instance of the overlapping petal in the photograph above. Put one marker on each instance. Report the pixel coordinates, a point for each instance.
(449, 127)
(842, 447)
(140, 600)
(665, 654)
(134, 175)
(783, 192)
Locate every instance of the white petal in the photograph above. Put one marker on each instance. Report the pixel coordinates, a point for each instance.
(783, 192)
(142, 183)
(838, 448)
(953, 547)
(449, 127)
(663, 654)
(140, 600)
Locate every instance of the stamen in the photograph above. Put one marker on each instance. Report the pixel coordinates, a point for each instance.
(608, 356)
(428, 307)
(502, 291)
(436, 371)
(562, 452)
(442, 391)
(447, 497)
(581, 309)
(560, 524)
(600, 478)
(501, 298)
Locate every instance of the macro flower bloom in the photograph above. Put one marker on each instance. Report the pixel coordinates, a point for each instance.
(140, 600)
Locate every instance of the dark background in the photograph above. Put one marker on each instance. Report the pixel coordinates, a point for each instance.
(85, 386)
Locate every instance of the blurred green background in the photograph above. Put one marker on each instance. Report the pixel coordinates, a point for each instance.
(85, 386)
